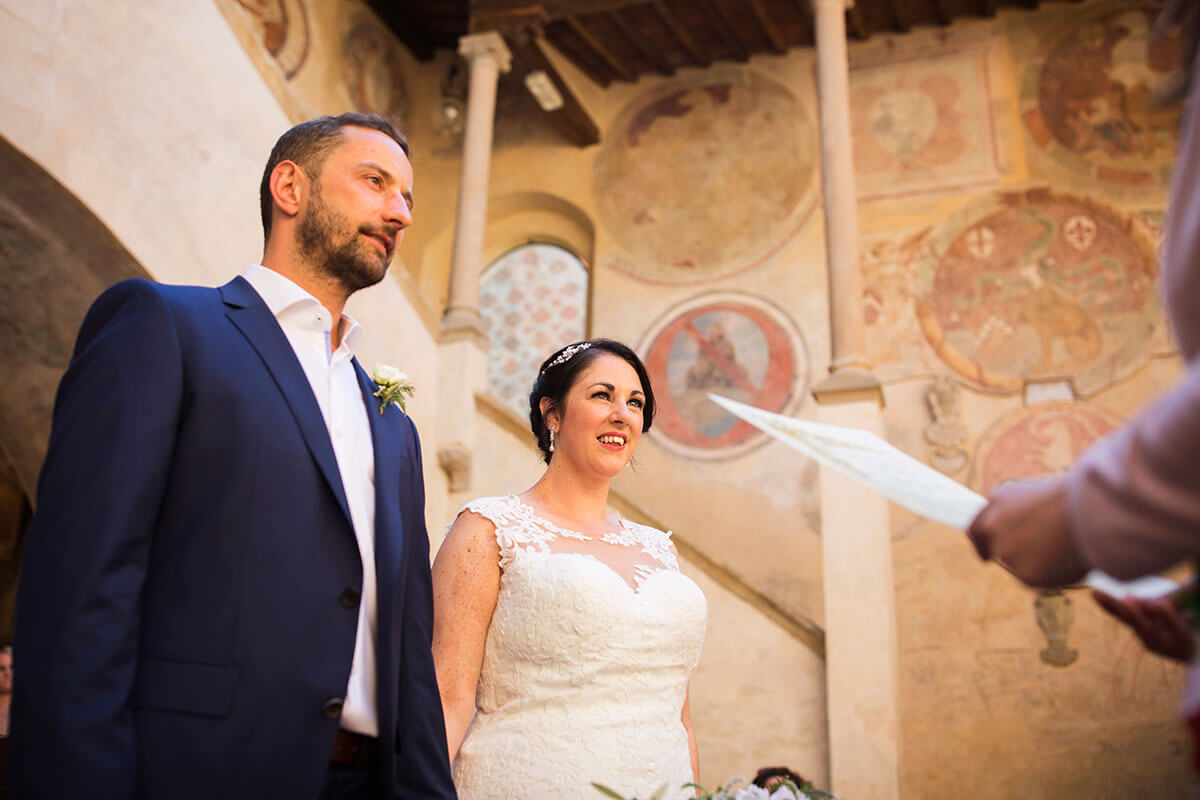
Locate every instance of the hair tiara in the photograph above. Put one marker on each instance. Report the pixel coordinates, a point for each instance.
(566, 355)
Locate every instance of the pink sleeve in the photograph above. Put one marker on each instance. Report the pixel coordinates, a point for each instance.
(1134, 498)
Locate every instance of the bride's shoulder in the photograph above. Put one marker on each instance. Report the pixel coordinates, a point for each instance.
(496, 510)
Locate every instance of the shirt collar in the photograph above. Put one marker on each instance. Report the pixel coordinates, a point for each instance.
(282, 294)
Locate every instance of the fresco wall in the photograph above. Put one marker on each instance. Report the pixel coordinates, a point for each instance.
(1012, 174)
(1011, 177)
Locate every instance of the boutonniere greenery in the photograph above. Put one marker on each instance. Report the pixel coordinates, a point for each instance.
(393, 386)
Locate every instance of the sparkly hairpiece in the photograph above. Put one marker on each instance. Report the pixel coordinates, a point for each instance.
(566, 355)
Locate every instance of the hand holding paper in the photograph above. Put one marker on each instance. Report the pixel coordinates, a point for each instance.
(918, 487)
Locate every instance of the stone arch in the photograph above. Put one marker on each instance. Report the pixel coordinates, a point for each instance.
(55, 258)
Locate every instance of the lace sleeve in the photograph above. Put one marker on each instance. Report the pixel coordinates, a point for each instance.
(516, 529)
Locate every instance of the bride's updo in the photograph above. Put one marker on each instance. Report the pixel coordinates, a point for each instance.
(558, 374)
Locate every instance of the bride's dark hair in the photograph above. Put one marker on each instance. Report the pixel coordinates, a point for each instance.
(557, 375)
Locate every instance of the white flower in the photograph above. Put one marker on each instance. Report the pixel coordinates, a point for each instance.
(783, 793)
(386, 373)
(752, 792)
(393, 387)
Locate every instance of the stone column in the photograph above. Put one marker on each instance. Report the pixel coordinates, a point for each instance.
(861, 681)
(487, 56)
(463, 346)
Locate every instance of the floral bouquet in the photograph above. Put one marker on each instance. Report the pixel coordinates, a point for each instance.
(738, 789)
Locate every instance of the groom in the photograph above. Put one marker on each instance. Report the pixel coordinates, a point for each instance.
(225, 591)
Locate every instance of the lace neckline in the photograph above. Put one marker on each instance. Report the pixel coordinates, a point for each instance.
(623, 537)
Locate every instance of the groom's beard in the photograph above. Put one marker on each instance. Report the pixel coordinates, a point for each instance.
(335, 248)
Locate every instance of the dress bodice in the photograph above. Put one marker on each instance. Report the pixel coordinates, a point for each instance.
(586, 661)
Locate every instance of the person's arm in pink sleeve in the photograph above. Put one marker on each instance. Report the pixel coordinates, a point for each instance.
(1133, 500)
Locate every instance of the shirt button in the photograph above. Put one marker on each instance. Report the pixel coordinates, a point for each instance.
(337, 432)
(332, 708)
(350, 597)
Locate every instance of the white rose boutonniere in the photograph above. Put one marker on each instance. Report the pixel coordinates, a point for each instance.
(393, 387)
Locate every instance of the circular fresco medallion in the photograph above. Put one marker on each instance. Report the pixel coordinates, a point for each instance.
(371, 65)
(705, 178)
(1042, 440)
(1039, 285)
(282, 28)
(734, 345)
(1091, 103)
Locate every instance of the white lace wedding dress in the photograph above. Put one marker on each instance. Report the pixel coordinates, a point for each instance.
(585, 666)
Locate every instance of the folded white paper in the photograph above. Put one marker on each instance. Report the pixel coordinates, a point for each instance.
(902, 479)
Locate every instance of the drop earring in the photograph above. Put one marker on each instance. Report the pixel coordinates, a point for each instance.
(552, 440)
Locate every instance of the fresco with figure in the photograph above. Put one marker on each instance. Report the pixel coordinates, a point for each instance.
(1088, 95)
(281, 26)
(1039, 284)
(676, 158)
(371, 69)
(1041, 440)
(731, 344)
(925, 127)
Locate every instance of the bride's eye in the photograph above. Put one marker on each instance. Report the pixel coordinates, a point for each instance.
(601, 394)
(637, 402)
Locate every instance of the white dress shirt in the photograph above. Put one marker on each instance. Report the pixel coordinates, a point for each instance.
(309, 326)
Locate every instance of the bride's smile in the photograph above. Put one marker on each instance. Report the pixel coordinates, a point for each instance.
(599, 423)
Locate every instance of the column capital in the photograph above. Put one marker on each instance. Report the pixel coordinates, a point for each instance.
(487, 45)
(848, 384)
(841, 5)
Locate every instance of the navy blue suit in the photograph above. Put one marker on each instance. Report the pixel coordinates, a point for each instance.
(183, 621)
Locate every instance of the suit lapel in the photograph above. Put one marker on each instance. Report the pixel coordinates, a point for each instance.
(247, 311)
(387, 440)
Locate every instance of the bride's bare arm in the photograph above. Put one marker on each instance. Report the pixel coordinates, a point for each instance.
(466, 582)
(686, 717)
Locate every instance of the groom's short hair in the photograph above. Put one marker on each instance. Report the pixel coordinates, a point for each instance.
(309, 143)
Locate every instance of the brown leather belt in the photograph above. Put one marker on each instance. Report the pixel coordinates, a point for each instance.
(353, 749)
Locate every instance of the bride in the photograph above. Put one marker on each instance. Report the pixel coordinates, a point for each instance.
(564, 636)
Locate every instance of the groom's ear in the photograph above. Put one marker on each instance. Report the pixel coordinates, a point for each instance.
(288, 185)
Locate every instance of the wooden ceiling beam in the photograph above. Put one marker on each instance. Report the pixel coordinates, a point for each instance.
(407, 28)
(572, 120)
(699, 57)
(855, 23)
(606, 55)
(900, 16)
(719, 22)
(944, 15)
(640, 44)
(769, 27)
(552, 9)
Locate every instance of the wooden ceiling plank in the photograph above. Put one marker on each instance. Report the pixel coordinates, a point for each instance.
(572, 120)
(987, 8)
(699, 58)
(639, 42)
(722, 26)
(406, 27)
(769, 28)
(553, 9)
(606, 55)
(856, 24)
(601, 78)
(944, 15)
(1030, 3)
(900, 16)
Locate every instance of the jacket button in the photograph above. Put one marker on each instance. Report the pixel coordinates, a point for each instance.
(350, 597)
(332, 708)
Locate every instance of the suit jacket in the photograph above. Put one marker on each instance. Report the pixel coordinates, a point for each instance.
(1134, 498)
(188, 599)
